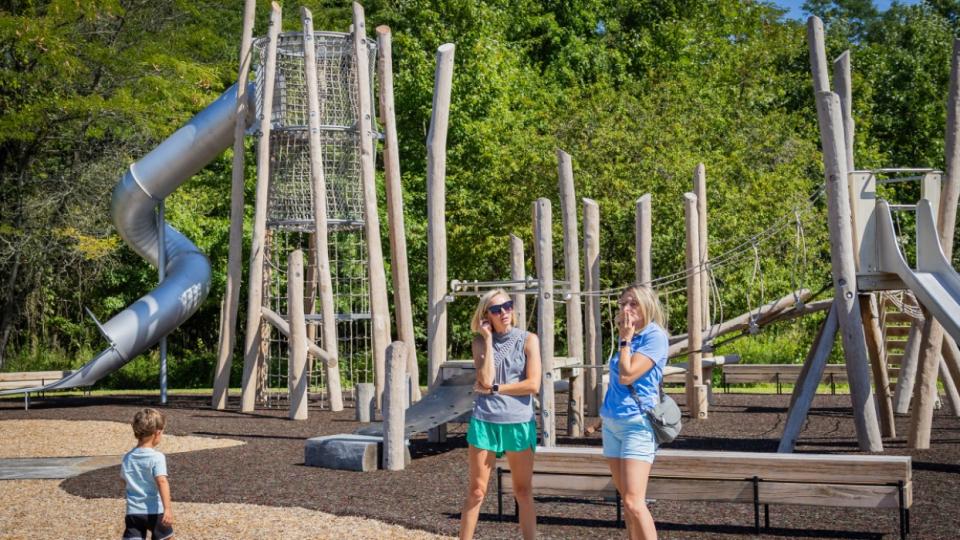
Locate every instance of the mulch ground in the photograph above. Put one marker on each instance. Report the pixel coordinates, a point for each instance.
(269, 470)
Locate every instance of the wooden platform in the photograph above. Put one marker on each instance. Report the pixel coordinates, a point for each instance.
(861, 481)
(29, 379)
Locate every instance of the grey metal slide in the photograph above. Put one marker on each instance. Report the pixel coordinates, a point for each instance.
(134, 205)
(934, 282)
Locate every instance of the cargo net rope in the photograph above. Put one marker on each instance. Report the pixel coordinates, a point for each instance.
(290, 214)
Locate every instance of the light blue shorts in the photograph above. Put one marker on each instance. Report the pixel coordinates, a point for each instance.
(629, 438)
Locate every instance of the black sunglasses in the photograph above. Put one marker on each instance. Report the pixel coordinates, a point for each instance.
(506, 306)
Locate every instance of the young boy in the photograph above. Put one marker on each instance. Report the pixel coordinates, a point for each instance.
(145, 472)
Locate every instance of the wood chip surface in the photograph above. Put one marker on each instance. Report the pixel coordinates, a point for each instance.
(38, 508)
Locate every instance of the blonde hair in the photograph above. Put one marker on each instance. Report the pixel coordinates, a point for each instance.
(649, 303)
(481, 312)
(147, 422)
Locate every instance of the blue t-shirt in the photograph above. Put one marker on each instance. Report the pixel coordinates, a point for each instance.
(139, 469)
(653, 343)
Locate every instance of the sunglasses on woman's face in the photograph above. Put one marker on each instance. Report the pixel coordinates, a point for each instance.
(506, 306)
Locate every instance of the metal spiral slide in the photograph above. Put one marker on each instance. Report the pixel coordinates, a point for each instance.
(134, 205)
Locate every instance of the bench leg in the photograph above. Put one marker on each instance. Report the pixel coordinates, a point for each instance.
(756, 504)
(516, 510)
(766, 516)
(499, 494)
(904, 513)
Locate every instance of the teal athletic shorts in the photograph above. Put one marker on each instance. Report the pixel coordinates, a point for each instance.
(502, 438)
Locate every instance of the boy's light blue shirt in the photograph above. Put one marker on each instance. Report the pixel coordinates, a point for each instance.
(139, 469)
(653, 343)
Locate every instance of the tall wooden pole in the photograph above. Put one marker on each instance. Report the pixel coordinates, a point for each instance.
(591, 282)
(297, 376)
(844, 272)
(518, 272)
(696, 390)
(321, 248)
(818, 55)
(436, 222)
(252, 358)
(379, 307)
(231, 296)
(543, 243)
(394, 405)
(643, 236)
(907, 375)
(925, 391)
(398, 237)
(571, 262)
(700, 190)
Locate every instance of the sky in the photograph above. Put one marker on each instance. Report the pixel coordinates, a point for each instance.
(796, 6)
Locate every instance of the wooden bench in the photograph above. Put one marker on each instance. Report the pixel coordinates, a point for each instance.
(29, 379)
(779, 374)
(859, 481)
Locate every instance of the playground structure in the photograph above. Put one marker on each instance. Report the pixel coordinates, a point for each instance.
(318, 287)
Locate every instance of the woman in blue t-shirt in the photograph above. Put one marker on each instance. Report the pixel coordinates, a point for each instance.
(636, 371)
(507, 362)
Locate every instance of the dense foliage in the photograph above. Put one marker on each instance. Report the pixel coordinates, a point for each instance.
(638, 92)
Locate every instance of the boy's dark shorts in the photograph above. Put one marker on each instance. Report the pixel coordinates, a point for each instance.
(137, 526)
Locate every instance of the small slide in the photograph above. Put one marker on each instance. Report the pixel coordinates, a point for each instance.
(934, 282)
(134, 208)
(445, 403)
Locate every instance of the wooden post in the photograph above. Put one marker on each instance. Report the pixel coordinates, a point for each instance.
(297, 376)
(818, 55)
(321, 248)
(844, 272)
(571, 262)
(252, 358)
(398, 236)
(543, 249)
(841, 80)
(950, 388)
(436, 223)
(903, 393)
(700, 190)
(642, 220)
(696, 390)
(518, 272)
(365, 394)
(951, 356)
(925, 391)
(875, 348)
(379, 307)
(394, 403)
(231, 295)
(591, 282)
(808, 380)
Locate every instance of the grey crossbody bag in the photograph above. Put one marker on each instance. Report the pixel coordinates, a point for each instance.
(665, 417)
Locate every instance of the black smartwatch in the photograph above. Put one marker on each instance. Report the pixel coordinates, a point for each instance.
(495, 389)
(624, 343)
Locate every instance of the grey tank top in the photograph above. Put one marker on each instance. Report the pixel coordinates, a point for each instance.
(510, 366)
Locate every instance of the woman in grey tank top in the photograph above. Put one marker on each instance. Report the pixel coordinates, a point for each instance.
(507, 362)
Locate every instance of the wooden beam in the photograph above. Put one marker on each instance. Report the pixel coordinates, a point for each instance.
(591, 281)
(806, 388)
(696, 390)
(399, 271)
(278, 322)
(543, 249)
(321, 246)
(571, 263)
(437, 224)
(231, 294)
(518, 273)
(379, 305)
(878, 363)
(903, 393)
(643, 238)
(297, 376)
(844, 272)
(252, 358)
(394, 405)
(700, 190)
